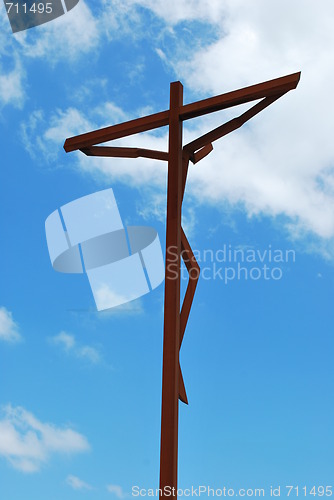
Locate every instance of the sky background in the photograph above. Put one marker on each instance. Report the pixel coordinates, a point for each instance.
(80, 391)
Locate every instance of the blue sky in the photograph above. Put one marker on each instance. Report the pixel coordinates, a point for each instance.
(80, 391)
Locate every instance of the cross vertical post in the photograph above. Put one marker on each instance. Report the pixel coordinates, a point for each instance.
(171, 340)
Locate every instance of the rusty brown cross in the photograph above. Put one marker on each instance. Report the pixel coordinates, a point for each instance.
(178, 158)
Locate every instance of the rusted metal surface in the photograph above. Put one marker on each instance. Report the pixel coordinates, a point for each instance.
(177, 245)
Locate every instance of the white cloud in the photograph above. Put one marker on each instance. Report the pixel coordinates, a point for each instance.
(77, 484)
(282, 162)
(154, 208)
(89, 353)
(109, 113)
(176, 11)
(136, 173)
(8, 327)
(48, 145)
(69, 122)
(107, 298)
(62, 124)
(133, 307)
(11, 85)
(66, 38)
(28, 444)
(116, 490)
(12, 72)
(64, 339)
(68, 342)
(119, 19)
(280, 189)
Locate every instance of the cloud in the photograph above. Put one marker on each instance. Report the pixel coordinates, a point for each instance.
(64, 339)
(116, 490)
(136, 173)
(176, 11)
(48, 144)
(133, 307)
(12, 72)
(71, 346)
(8, 327)
(66, 38)
(155, 209)
(12, 85)
(28, 444)
(281, 164)
(49, 133)
(120, 19)
(77, 483)
(89, 353)
(278, 189)
(107, 298)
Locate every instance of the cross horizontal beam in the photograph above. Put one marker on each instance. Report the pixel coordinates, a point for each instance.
(149, 122)
(278, 86)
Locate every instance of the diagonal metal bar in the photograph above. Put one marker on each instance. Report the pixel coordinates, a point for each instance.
(185, 166)
(113, 152)
(123, 152)
(191, 287)
(252, 93)
(194, 272)
(229, 126)
(202, 153)
(182, 389)
(192, 265)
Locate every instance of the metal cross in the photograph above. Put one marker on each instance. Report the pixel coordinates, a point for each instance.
(178, 158)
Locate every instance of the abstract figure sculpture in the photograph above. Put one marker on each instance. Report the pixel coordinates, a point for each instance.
(87, 235)
(178, 158)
